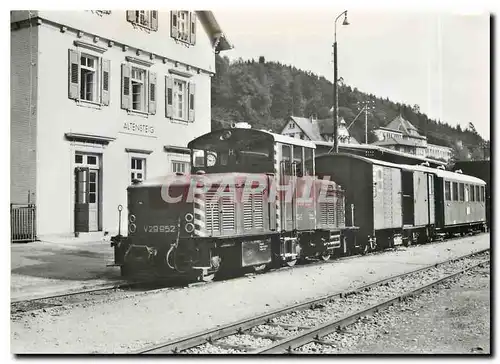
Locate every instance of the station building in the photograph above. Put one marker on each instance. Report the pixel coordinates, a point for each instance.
(99, 98)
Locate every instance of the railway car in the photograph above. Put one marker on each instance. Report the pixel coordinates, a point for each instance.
(481, 170)
(459, 199)
(373, 196)
(251, 201)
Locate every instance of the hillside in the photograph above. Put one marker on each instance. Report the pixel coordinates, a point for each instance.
(265, 93)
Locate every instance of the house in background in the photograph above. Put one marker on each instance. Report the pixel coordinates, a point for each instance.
(100, 98)
(403, 136)
(316, 129)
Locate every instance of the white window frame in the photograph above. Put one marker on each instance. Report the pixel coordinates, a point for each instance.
(96, 82)
(134, 81)
(178, 166)
(144, 18)
(186, 23)
(134, 171)
(175, 103)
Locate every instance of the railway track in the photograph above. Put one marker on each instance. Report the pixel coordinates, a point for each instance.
(285, 330)
(72, 297)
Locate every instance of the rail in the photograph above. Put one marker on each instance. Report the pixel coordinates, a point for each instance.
(284, 345)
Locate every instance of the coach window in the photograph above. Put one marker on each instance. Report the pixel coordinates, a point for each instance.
(472, 193)
(466, 192)
(447, 191)
(482, 194)
(454, 196)
(478, 196)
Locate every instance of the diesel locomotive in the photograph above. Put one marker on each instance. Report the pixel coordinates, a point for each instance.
(256, 200)
(251, 201)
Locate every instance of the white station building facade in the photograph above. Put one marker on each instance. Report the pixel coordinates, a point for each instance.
(99, 98)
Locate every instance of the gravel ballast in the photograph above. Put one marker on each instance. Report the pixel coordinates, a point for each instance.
(453, 318)
(128, 324)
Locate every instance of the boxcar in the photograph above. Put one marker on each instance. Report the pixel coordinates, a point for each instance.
(374, 188)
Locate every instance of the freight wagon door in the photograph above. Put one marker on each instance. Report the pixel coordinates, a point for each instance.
(421, 198)
(432, 211)
(397, 213)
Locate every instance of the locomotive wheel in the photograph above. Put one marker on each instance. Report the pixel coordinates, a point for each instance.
(291, 263)
(260, 268)
(326, 257)
(208, 277)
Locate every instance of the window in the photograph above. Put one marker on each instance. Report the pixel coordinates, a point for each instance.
(138, 90)
(447, 191)
(183, 26)
(461, 189)
(472, 193)
(466, 193)
(180, 167)
(455, 191)
(87, 159)
(180, 99)
(137, 169)
(482, 196)
(291, 125)
(145, 18)
(88, 78)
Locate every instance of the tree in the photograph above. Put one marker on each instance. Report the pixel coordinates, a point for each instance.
(266, 93)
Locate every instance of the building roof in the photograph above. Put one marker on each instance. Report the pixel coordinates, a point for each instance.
(315, 130)
(310, 129)
(395, 141)
(401, 124)
(213, 28)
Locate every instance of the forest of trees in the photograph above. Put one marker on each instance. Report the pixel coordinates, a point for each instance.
(264, 94)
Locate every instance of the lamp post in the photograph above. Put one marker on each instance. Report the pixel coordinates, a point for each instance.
(335, 78)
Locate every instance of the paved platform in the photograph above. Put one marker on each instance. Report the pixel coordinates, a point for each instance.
(50, 267)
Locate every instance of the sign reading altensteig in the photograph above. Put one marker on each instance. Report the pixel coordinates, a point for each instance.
(137, 128)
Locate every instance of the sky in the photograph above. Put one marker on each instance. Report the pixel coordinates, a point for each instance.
(437, 60)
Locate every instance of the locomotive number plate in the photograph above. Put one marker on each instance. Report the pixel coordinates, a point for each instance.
(255, 252)
(160, 229)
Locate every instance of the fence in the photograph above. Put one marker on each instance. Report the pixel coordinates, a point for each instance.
(23, 222)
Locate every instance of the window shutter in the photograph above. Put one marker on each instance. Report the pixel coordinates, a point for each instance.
(174, 32)
(154, 20)
(73, 74)
(131, 17)
(169, 97)
(152, 93)
(126, 86)
(105, 82)
(191, 103)
(193, 28)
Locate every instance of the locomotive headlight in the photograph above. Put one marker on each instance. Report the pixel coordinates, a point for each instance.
(131, 218)
(189, 228)
(132, 227)
(189, 217)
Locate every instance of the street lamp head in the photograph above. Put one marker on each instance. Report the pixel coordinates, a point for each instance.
(345, 22)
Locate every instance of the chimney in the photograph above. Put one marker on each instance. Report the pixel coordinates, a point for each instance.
(313, 118)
